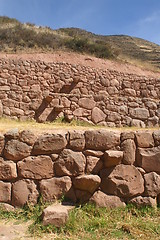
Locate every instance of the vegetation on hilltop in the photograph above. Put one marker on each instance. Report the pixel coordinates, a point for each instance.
(15, 37)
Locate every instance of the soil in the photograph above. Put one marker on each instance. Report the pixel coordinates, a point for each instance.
(75, 58)
(16, 230)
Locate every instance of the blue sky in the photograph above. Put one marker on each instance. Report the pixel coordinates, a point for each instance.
(140, 18)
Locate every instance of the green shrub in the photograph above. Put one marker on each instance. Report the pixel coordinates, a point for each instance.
(82, 45)
(5, 19)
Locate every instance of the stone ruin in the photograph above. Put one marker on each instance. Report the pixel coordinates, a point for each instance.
(107, 168)
(47, 91)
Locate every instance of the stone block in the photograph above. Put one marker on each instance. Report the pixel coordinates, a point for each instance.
(56, 215)
(129, 151)
(8, 170)
(144, 139)
(102, 139)
(87, 183)
(101, 199)
(16, 150)
(87, 103)
(139, 113)
(55, 188)
(27, 137)
(76, 140)
(97, 115)
(70, 163)
(143, 201)
(49, 143)
(112, 158)
(23, 192)
(94, 165)
(124, 181)
(152, 184)
(5, 192)
(39, 167)
(149, 159)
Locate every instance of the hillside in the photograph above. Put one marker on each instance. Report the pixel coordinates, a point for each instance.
(28, 38)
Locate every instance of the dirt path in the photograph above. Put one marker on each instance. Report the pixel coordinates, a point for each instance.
(10, 230)
(18, 230)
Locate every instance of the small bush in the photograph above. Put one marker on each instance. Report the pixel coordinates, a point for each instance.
(82, 45)
(5, 19)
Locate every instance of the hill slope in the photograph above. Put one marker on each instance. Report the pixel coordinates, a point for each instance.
(18, 37)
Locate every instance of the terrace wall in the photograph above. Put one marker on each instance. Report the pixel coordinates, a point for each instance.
(105, 167)
(46, 91)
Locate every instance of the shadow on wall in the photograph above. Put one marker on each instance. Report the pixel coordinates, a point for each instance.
(68, 88)
(41, 109)
(45, 112)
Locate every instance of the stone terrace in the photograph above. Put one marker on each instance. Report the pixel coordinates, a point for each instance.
(46, 91)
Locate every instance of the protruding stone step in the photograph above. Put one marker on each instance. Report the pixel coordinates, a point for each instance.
(56, 214)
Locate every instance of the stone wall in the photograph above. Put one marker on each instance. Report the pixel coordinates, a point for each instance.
(46, 91)
(105, 167)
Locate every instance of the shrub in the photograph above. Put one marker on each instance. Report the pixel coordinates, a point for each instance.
(99, 49)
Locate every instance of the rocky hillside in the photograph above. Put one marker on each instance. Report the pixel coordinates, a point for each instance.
(18, 37)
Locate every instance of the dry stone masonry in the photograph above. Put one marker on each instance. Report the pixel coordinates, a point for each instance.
(46, 91)
(107, 168)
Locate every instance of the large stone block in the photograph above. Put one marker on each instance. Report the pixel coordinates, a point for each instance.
(102, 139)
(152, 184)
(112, 158)
(97, 115)
(27, 136)
(55, 188)
(129, 151)
(12, 134)
(143, 201)
(87, 183)
(139, 113)
(156, 136)
(16, 150)
(76, 140)
(127, 135)
(94, 165)
(8, 170)
(7, 207)
(101, 199)
(137, 123)
(49, 143)
(86, 103)
(23, 192)
(5, 192)
(56, 215)
(113, 117)
(149, 159)
(70, 163)
(36, 167)
(144, 139)
(123, 180)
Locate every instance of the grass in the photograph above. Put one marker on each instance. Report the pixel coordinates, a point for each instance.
(88, 222)
(7, 124)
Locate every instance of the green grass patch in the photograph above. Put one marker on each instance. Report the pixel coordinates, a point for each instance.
(89, 222)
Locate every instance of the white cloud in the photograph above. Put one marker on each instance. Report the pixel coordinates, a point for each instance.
(148, 27)
(153, 18)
